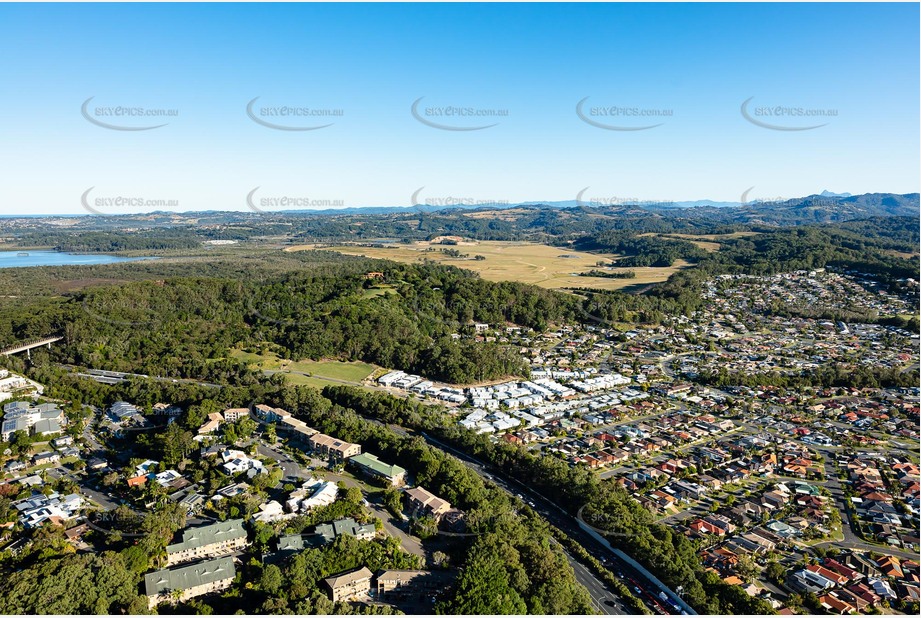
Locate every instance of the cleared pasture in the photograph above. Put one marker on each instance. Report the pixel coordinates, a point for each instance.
(543, 265)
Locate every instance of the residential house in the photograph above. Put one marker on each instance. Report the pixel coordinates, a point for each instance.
(828, 574)
(37, 509)
(215, 419)
(890, 567)
(774, 499)
(864, 592)
(846, 571)
(46, 457)
(236, 462)
(836, 605)
(270, 512)
(312, 494)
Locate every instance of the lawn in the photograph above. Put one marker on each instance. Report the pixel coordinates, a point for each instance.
(378, 290)
(269, 360)
(542, 265)
(337, 370)
(334, 371)
(300, 380)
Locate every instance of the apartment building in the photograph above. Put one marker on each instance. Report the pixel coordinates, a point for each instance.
(393, 475)
(207, 542)
(333, 448)
(348, 586)
(189, 582)
(423, 503)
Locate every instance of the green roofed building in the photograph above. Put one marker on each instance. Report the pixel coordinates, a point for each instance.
(372, 466)
(291, 543)
(348, 526)
(224, 537)
(326, 533)
(188, 582)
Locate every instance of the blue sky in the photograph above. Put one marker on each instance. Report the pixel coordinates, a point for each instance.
(530, 63)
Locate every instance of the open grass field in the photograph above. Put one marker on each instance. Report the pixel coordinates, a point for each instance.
(378, 290)
(900, 254)
(269, 360)
(543, 265)
(707, 242)
(338, 370)
(320, 373)
(714, 237)
(299, 380)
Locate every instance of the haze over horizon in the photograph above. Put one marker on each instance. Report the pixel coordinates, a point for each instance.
(721, 88)
(110, 210)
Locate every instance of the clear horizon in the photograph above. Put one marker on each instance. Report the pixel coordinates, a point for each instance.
(265, 105)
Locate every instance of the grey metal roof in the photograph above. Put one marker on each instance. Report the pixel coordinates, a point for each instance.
(339, 527)
(206, 535)
(292, 542)
(185, 578)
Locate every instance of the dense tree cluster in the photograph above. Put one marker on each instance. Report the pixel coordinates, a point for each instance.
(838, 375)
(73, 584)
(642, 249)
(294, 585)
(170, 238)
(186, 326)
(609, 274)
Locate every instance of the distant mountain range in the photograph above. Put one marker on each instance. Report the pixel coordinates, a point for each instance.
(829, 208)
(824, 207)
(851, 206)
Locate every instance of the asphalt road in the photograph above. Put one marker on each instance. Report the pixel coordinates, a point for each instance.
(289, 467)
(602, 598)
(99, 498)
